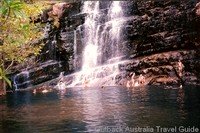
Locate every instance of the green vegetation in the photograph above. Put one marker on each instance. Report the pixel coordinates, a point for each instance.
(17, 33)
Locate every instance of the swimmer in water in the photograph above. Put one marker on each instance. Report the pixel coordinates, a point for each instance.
(131, 82)
(132, 79)
(180, 71)
(141, 79)
(85, 82)
(180, 68)
(34, 91)
(61, 85)
(128, 84)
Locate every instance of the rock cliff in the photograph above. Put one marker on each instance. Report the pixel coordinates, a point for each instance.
(161, 39)
(160, 34)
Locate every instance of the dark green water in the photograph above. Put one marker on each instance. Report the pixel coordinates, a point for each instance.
(100, 110)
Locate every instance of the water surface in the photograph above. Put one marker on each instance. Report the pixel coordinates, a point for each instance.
(93, 109)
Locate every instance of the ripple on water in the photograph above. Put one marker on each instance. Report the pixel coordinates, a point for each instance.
(86, 110)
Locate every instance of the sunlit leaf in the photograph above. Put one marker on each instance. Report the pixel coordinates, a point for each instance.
(1, 71)
(18, 14)
(17, 32)
(3, 10)
(7, 81)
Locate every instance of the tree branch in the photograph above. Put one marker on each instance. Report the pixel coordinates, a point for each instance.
(9, 66)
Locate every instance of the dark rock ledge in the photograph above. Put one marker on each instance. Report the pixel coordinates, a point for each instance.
(158, 34)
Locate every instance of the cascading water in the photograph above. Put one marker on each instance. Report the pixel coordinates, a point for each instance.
(75, 48)
(109, 37)
(102, 41)
(115, 14)
(90, 53)
(52, 49)
(21, 80)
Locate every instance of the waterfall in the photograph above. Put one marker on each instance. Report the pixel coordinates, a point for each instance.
(90, 52)
(75, 48)
(102, 41)
(115, 14)
(52, 49)
(101, 45)
(21, 79)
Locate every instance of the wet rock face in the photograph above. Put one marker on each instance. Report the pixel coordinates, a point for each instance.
(163, 26)
(157, 33)
(58, 9)
(198, 9)
(59, 39)
(57, 54)
(38, 74)
(162, 29)
(163, 68)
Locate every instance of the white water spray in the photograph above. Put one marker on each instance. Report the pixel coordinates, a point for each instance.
(101, 42)
(21, 79)
(116, 21)
(91, 47)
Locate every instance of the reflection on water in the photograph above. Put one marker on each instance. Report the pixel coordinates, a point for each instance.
(91, 109)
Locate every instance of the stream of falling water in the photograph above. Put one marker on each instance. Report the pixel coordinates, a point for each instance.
(115, 15)
(101, 41)
(90, 52)
(104, 44)
(21, 79)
